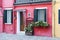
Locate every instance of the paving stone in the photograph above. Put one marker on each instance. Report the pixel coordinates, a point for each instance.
(4, 36)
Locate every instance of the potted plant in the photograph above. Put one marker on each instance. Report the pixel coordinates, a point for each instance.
(29, 29)
(45, 25)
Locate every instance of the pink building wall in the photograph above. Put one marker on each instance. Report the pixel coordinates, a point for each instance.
(11, 28)
(0, 3)
(1, 17)
(30, 9)
(8, 28)
(1, 21)
(7, 3)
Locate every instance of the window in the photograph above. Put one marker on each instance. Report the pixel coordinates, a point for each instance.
(59, 16)
(8, 15)
(40, 15)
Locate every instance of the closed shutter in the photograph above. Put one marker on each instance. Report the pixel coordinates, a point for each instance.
(45, 15)
(5, 16)
(59, 17)
(35, 15)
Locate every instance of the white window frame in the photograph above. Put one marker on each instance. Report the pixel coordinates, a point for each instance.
(42, 8)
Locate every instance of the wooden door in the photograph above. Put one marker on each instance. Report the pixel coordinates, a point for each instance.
(21, 22)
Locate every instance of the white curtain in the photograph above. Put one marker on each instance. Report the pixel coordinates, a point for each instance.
(41, 14)
(8, 16)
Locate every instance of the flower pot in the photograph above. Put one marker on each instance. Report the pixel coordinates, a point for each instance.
(40, 31)
(29, 33)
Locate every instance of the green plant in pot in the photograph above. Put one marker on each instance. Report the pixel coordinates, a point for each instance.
(29, 29)
(45, 25)
(36, 24)
(41, 24)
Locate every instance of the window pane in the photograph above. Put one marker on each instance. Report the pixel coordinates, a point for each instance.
(8, 16)
(41, 15)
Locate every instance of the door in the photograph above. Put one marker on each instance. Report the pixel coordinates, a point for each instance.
(20, 23)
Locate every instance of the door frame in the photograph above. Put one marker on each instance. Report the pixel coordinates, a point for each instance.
(18, 24)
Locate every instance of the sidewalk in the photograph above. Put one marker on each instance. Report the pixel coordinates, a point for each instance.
(4, 36)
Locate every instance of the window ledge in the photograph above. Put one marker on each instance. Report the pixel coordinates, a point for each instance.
(8, 23)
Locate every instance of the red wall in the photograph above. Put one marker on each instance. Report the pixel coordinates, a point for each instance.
(7, 3)
(1, 17)
(11, 28)
(0, 3)
(8, 28)
(1, 21)
(30, 9)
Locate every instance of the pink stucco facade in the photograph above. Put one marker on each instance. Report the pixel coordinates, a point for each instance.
(7, 3)
(1, 21)
(0, 3)
(11, 28)
(1, 17)
(6, 28)
(30, 9)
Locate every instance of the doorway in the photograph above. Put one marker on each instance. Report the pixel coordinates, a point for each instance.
(20, 22)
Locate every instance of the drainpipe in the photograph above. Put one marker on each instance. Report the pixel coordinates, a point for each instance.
(53, 18)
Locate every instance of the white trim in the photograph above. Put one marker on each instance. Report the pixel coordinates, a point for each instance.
(8, 8)
(59, 9)
(21, 10)
(18, 22)
(18, 25)
(8, 23)
(41, 8)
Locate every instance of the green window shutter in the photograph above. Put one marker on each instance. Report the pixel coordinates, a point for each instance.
(45, 15)
(5, 16)
(11, 16)
(35, 15)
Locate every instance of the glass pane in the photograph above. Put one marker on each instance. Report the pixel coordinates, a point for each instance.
(41, 14)
(8, 16)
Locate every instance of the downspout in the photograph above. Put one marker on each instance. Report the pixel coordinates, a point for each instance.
(53, 18)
